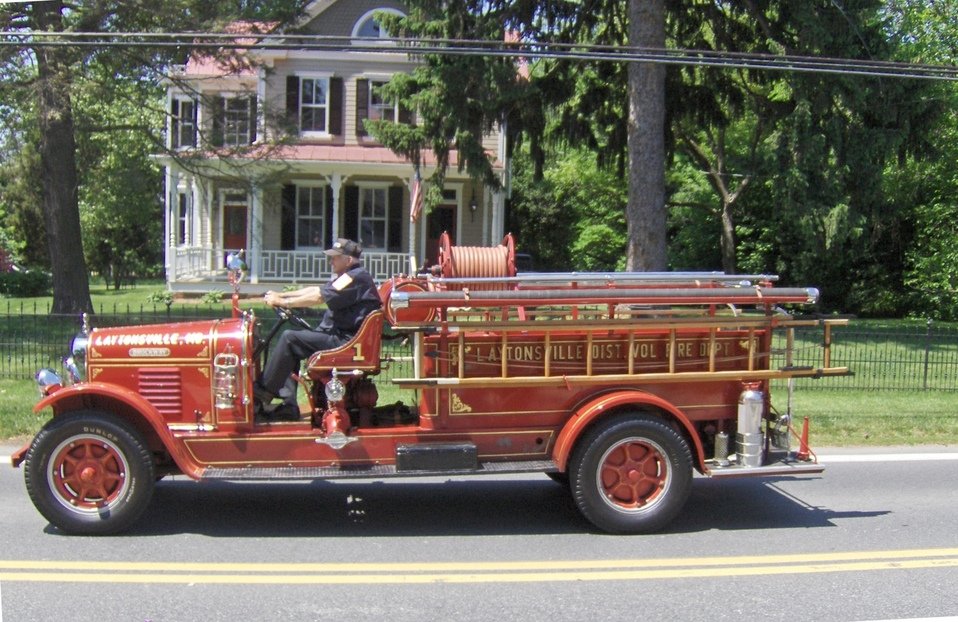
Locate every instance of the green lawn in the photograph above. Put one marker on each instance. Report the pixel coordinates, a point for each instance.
(838, 418)
(846, 418)
(100, 295)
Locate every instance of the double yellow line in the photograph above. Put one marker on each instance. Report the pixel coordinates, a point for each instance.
(472, 572)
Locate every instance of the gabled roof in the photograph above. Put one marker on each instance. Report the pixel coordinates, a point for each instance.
(234, 64)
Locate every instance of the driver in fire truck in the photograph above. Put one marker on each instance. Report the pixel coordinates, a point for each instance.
(350, 296)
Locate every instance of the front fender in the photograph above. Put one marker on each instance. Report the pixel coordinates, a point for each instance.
(592, 410)
(125, 403)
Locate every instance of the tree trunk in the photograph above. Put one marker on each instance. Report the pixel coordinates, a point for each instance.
(71, 288)
(728, 238)
(646, 212)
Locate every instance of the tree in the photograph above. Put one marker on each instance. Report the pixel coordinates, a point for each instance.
(646, 211)
(120, 199)
(456, 98)
(58, 176)
(925, 32)
(51, 73)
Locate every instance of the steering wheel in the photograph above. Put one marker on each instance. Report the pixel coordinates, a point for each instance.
(285, 314)
(288, 315)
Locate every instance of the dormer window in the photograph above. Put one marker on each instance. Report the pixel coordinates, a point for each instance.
(367, 27)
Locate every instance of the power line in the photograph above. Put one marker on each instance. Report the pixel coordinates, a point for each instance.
(467, 47)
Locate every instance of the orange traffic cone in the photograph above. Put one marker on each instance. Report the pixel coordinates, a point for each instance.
(803, 443)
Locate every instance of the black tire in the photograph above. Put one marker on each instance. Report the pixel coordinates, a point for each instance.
(559, 478)
(631, 474)
(89, 473)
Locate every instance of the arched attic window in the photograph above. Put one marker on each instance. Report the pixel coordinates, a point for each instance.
(366, 27)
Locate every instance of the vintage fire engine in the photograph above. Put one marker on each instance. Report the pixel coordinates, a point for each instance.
(618, 386)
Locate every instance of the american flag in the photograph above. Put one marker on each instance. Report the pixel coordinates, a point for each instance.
(415, 200)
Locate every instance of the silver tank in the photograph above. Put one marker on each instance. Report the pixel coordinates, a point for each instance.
(749, 440)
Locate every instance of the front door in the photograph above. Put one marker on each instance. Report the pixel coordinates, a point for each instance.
(234, 226)
(441, 218)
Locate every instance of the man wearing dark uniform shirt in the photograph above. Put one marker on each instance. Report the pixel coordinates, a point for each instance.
(350, 296)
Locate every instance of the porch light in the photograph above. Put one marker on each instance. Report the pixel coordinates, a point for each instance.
(473, 205)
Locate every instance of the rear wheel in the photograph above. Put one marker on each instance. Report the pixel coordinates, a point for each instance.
(631, 474)
(89, 473)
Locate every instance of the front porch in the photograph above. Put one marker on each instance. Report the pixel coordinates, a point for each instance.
(198, 269)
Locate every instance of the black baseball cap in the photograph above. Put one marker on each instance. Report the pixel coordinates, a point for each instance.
(345, 247)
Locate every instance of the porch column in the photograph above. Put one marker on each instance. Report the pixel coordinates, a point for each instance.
(169, 233)
(260, 119)
(336, 183)
(486, 208)
(412, 251)
(256, 232)
(498, 216)
(205, 237)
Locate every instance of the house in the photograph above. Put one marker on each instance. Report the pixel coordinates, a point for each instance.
(271, 156)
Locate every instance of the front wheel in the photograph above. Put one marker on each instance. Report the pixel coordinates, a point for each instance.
(89, 473)
(631, 474)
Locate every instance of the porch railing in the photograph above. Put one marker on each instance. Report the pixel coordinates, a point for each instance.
(208, 263)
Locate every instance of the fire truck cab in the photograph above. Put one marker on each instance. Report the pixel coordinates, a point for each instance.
(619, 386)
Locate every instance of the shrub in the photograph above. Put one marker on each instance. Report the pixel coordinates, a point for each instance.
(24, 284)
(213, 297)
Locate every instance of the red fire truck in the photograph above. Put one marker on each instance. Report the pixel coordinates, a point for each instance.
(617, 386)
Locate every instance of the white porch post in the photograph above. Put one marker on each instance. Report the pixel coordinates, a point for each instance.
(336, 184)
(260, 119)
(486, 208)
(211, 227)
(169, 233)
(256, 232)
(498, 217)
(412, 250)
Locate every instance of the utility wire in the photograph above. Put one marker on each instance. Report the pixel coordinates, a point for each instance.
(467, 47)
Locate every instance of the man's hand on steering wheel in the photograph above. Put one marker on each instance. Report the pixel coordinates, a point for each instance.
(288, 315)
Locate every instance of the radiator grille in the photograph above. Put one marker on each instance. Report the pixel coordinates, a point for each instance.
(162, 388)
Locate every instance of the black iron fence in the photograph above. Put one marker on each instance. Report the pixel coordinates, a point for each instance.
(32, 338)
(882, 357)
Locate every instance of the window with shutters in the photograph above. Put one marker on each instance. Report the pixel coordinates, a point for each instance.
(379, 109)
(310, 216)
(238, 121)
(373, 218)
(183, 123)
(314, 105)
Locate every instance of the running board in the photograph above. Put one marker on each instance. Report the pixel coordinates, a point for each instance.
(370, 472)
(776, 468)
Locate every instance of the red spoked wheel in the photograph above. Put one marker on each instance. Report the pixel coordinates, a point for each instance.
(89, 472)
(631, 474)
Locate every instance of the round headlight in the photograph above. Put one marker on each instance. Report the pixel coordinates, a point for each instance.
(48, 381)
(77, 359)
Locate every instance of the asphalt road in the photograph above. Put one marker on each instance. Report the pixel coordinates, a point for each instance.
(868, 540)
